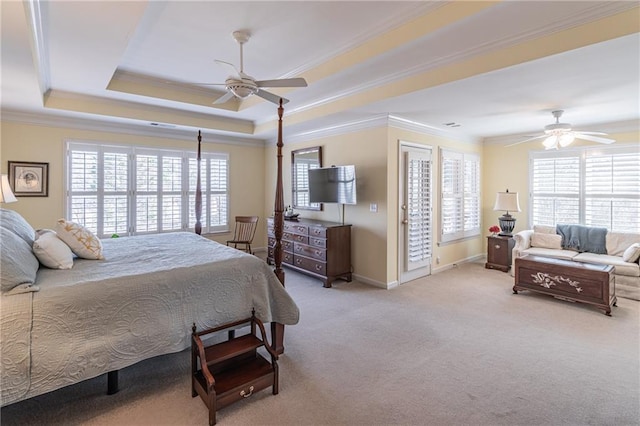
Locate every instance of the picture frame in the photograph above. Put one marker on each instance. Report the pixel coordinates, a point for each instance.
(29, 179)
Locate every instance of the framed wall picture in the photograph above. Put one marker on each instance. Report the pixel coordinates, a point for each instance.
(28, 179)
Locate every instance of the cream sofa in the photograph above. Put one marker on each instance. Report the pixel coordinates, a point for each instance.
(543, 241)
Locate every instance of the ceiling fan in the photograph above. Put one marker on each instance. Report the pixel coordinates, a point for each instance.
(242, 85)
(561, 134)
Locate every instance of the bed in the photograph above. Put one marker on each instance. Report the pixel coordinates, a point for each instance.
(139, 301)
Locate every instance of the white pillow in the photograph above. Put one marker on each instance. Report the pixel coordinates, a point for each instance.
(551, 241)
(632, 254)
(52, 252)
(80, 240)
(544, 229)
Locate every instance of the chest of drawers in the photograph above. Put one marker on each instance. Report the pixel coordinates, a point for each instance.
(315, 247)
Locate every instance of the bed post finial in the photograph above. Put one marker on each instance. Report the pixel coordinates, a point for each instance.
(198, 189)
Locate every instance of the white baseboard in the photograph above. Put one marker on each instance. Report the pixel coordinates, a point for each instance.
(455, 264)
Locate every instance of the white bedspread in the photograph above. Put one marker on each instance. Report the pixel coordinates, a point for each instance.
(139, 302)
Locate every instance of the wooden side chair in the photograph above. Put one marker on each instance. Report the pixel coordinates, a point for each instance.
(244, 232)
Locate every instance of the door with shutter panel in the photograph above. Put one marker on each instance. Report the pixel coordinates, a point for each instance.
(416, 212)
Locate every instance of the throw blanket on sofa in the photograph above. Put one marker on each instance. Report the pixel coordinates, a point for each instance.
(583, 238)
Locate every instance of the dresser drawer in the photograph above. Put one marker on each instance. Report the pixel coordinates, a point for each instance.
(317, 231)
(309, 251)
(295, 237)
(312, 265)
(287, 257)
(286, 245)
(296, 228)
(318, 242)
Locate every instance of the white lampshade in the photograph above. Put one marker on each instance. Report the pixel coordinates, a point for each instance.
(507, 201)
(6, 195)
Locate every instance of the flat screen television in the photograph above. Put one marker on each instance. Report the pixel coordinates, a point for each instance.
(333, 185)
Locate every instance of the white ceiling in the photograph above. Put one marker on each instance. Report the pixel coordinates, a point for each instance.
(495, 68)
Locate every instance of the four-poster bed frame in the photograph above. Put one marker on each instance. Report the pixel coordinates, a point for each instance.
(277, 329)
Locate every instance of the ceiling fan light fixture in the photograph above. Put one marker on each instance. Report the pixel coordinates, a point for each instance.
(566, 139)
(242, 91)
(550, 142)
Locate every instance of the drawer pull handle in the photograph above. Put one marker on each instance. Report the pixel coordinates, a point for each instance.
(246, 395)
(318, 267)
(497, 246)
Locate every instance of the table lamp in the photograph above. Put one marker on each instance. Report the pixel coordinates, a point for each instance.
(507, 201)
(6, 195)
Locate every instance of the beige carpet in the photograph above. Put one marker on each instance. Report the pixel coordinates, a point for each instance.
(456, 348)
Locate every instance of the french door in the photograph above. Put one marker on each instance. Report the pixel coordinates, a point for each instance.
(415, 212)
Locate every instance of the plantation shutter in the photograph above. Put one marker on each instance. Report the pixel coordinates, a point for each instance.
(460, 195)
(588, 186)
(418, 203)
(612, 191)
(82, 200)
(556, 190)
(130, 190)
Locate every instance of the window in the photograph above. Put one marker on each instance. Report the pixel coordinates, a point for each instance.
(460, 195)
(590, 186)
(133, 190)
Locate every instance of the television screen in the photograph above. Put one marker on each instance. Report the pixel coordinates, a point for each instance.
(333, 185)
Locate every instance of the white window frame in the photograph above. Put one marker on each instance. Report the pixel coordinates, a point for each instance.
(186, 191)
(465, 228)
(581, 155)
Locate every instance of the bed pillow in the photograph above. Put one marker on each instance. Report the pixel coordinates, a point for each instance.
(550, 241)
(52, 252)
(632, 254)
(80, 240)
(12, 221)
(18, 265)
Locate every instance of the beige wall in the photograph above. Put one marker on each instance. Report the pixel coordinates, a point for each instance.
(374, 152)
(448, 253)
(24, 142)
(367, 151)
(509, 168)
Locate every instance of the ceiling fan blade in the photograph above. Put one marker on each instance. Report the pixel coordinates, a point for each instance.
(283, 82)
(590, 133)
(594, 138)
(526, 140)
(271, 97)
(224, 98)
(232, 68)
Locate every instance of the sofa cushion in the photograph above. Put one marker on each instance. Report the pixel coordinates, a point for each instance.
(618, 242)
(621, 267)
(551, 241)
(553, 253)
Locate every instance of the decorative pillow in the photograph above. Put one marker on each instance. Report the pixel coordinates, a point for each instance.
(551, 241)
(632, 254)
(52, 252)
(12, 221)
(18, 265)
(543, 229)
(80, 240)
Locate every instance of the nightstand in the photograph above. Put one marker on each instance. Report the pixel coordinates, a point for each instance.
(499, 252)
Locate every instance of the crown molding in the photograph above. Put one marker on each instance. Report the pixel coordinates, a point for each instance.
(380, 120)
(160, 130)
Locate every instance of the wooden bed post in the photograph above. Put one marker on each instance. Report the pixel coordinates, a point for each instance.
(277, 330)
(198, 189)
